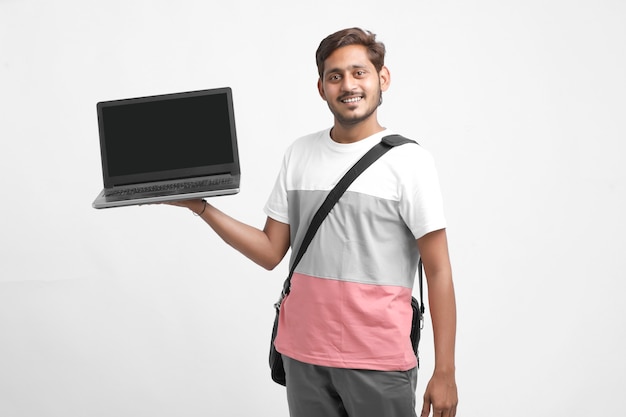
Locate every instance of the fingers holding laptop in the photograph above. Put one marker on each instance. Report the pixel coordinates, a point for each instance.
(197, 206)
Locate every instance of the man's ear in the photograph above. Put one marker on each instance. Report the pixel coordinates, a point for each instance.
(320, 89)
(385, 78)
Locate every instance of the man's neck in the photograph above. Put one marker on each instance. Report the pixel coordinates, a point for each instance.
(353, 133)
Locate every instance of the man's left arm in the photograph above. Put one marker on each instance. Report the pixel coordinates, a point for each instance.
(441, 392)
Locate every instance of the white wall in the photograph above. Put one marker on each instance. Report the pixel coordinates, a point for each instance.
(143, 311)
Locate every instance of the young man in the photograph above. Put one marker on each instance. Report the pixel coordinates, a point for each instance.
(344, 327)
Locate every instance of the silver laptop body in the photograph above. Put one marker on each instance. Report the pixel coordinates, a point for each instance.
(168, 147)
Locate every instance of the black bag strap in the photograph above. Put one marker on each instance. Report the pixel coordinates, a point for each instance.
(420, 269)
(333, 196)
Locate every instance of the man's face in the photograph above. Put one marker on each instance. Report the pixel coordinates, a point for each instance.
(351, 86)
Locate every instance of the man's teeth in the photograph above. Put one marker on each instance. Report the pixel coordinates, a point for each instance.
(351, 100)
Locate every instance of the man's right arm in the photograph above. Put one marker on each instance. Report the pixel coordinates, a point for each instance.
(265, 247)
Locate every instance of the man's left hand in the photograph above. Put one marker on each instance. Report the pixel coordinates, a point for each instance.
(441, 395)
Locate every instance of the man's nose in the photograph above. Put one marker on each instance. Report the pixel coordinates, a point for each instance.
(347, 83)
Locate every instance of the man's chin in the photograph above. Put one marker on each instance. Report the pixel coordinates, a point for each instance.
(352, 119)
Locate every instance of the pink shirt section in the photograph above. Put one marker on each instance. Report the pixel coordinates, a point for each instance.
(346, 324)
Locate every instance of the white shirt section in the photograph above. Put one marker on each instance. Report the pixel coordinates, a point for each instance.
(405, 174)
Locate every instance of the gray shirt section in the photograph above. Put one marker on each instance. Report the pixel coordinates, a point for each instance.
(363, 239)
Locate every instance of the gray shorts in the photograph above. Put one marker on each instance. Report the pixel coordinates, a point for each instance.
(314, 391)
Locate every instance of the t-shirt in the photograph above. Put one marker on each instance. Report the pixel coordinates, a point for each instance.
(349, 304)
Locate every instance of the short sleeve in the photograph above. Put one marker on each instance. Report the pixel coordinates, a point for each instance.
(421, 205)
(277, 206)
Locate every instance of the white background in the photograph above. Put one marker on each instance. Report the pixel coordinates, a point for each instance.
(143, 311)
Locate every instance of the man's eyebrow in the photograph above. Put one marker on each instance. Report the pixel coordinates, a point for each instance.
(350, 67)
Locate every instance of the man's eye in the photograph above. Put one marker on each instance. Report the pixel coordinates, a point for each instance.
(334, 77)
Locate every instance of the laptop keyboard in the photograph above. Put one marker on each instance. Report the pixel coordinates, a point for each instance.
(172, 187)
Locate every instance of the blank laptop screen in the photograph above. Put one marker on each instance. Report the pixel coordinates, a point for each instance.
(167, 134)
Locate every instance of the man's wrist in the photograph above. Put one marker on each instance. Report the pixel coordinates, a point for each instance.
(201, 209)
(445, 370)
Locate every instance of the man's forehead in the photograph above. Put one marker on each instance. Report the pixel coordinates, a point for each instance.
(347, 58)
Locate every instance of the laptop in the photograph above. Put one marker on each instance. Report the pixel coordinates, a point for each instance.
(168, 147)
